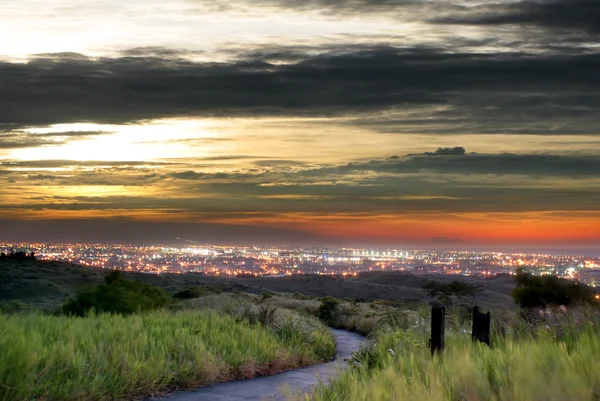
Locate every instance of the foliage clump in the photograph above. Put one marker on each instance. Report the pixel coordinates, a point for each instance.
(17, 256)
(15, 307)
(542, 291)
(190, 293)
(328, 310)
(452, 292)
(117, 295)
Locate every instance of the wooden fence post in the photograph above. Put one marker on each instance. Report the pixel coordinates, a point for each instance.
(481, 326)
(438, 322)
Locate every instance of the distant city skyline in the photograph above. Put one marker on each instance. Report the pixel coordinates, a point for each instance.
(415, 123)
(239, 260)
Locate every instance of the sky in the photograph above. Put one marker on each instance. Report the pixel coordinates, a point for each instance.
(360, 122)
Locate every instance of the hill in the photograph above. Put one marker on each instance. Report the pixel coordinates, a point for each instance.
(46, 285)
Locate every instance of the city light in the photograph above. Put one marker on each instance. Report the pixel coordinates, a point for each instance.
(276, 261)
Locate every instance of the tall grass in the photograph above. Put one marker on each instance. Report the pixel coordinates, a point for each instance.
(116, 357)
(542, 364)
(298, 327)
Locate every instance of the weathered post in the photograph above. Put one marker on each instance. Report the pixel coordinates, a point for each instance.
(438, 322)
(481, 326)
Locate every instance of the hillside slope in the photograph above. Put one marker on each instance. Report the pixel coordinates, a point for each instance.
(46, 285)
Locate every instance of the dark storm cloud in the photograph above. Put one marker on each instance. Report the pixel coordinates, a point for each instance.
(456, 161)
(447, 179)
(126, 89)
(20, 139)
(398, 195)
(157, 51)
(541, 113)
(378, 173)
(455, 151)
(102, 177)
(15, 141)
(573, 15)
(450, 161)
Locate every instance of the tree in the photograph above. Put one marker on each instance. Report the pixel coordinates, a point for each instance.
(112, 276)
(541, 291)
(117, 295)
(328, 310)
(190, 292)
(18, 256)
(455, 290)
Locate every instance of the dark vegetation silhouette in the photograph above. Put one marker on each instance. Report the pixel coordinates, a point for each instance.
(328, 310)
(17, 256)
(15, 307)
(190, 293)
(266, 315)
(452, 293)
(542, 291)
(117, 295)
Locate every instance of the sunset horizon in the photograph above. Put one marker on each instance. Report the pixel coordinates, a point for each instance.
(399, 123)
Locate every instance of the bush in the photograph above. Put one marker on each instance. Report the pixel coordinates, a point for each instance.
(190, 293)
(328, 310)
(453, 292)
(117, 295)
(266, 315)
(15, 307)
(542, 291)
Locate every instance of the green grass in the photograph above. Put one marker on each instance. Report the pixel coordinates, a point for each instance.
(361, 317)
(296, 325)
(116, 357)
(549, 363)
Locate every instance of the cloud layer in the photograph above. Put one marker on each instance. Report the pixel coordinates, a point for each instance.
(510, 93)
(393, 120)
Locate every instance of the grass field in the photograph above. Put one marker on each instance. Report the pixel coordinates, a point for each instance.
(114, 357)
(548, 363)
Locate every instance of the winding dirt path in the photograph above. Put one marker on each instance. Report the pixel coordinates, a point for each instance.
(277, 387)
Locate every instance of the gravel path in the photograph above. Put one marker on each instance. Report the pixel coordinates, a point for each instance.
(276, 387)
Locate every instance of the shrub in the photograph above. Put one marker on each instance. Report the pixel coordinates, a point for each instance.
(190, 293)
(328, 310)
(448, 293)
(266, 315)
(15, 307)
(117, 295)
(542, 291)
